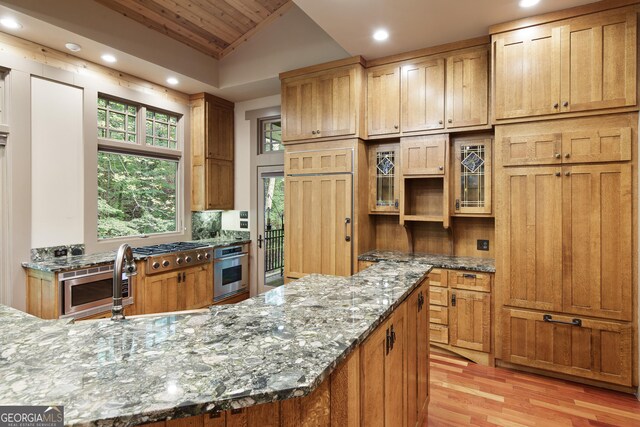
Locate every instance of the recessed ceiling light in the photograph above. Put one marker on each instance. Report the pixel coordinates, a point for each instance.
(10, 23)
(172, 81)
(107, 57)
(528, 3)
(381, 35)
(73, 47)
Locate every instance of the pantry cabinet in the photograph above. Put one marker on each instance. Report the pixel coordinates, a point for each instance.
(580, 64)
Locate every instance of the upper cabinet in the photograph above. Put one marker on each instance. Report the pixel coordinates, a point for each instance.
(322, 104)
(467, 89)
(383, 101)
(423, 96)
(472, 169)
(384, 180)
(579, 64)
(211, 153)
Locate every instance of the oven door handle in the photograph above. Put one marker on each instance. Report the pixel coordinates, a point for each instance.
(230, 257)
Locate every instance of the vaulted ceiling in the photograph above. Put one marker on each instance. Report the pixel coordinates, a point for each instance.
(213, 27)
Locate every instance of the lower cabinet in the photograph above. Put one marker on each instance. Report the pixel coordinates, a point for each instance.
(416, 348)
(185, 289)
(594, 349)
(470, 320)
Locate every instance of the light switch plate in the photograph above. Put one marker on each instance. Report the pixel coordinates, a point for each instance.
(483, 245)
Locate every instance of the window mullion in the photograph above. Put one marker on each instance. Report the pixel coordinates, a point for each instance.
(142, 125)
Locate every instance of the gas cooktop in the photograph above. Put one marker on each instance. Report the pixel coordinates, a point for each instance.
(168, 248)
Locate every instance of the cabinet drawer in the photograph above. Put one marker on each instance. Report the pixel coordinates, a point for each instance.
(437, 277)
(593, 349)
(438, 314)
(438, 296)
(313, 162)
(470, 280)
(439, 333)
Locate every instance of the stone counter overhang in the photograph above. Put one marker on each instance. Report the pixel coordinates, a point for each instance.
(86, 261)
(275, 346)
(451, 262)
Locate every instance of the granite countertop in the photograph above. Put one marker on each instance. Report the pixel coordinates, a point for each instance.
(274, 346)
(486, 265)
(85, 261)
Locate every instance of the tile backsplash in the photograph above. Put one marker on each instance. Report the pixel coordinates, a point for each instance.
(42, 254)
(208, 224)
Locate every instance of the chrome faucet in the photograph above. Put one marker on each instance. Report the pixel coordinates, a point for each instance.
(124, 255)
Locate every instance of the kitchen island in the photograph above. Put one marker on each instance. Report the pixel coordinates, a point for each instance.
(328, 338)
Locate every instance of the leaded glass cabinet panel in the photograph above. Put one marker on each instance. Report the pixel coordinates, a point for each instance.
(384, 178)
(472, 175)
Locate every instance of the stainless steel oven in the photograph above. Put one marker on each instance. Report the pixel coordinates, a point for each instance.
(90, 291)
(230, 271)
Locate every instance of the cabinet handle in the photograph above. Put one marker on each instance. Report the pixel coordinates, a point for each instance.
(215, 414)
(565, 104)
(556, 105)
(388, 342)
(347, 221)
(318, 131)
(439, 122)
(397, 204)
(236, 411)
(313, 132)
(393, 337)
(557, 155)
(395, 126)
(441, 168)
(558, 173)
(567, 174)
(453, 300)
(457, 204)
(179, 277)
(566, 156)
(469, 276)
(184, 277)
(549, 319)
(450, 121)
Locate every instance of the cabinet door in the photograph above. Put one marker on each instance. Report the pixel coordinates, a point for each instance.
(299, 109)
(472, 169)
(383, 101)
(530, 249)
(541, 149)
(336, 103)
(597, 350)
(597, 145)
(384, 178)
(422, 96)
(219, 135)
(467, 85)
(161, 293)
(599, 62)
(197, 287)
(373, 373)
(470, 320)
(394, 375)
(425, 155)
(597, 211)
(417, 348)
(527, 72)
(318, 229)
(219, 184)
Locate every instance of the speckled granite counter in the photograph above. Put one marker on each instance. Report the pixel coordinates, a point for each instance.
(486, 265)
(275, 346)
(86, 261)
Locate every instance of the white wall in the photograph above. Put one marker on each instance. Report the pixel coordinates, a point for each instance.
(57, 164)
(243, 143)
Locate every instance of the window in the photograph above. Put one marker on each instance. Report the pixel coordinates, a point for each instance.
(270, 135)
(116, 120)
(162, 129)
(138, 178)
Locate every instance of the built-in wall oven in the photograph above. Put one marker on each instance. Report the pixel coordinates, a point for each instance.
(230, 271)
(90, 291)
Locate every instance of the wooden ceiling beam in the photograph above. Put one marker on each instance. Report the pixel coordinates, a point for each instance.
(224, 12)
(275, 15)
(254, 10)
(159, 23)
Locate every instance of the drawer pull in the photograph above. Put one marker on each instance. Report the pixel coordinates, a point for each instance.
(574, 322)
(469, 276)
(453, 300)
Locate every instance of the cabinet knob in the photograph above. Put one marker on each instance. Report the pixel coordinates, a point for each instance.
(450, 120)
(313, 132)
(318, 131)
(567, 173)
(565, 104)
(556, 105)
(439, 122)
(557, 173)
(566, 156)
(441, 168)
(557, 155)
(395, 126)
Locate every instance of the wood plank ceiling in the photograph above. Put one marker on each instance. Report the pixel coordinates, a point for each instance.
(213, 27)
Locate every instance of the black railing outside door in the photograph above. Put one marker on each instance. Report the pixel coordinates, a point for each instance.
(274, 250)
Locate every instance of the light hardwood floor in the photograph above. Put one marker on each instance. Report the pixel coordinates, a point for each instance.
(463, 393)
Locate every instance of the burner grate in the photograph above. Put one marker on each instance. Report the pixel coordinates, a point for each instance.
(168, 248)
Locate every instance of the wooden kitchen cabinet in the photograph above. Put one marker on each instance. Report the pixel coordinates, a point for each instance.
(424, 155)
(382, 380)
(318, 209)
(184, 289)
(467, 89)
(594, 349)
(383, 100)
(472, 175)
(384, 178)
(211, 152)
(423, 95)
(579, 64)
(323, 104)
(470, 320)
(417, 349)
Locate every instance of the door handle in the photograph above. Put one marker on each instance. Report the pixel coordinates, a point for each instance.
(549, 319)
(453, 300)
(347, 221)
(260, 241)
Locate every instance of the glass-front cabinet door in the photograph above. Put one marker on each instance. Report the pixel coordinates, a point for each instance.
(384, 181)
(472, 175)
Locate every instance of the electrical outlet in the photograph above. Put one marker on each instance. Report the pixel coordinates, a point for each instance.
(483, 245)
(60, 252)
(244, 214)
(244, 224)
